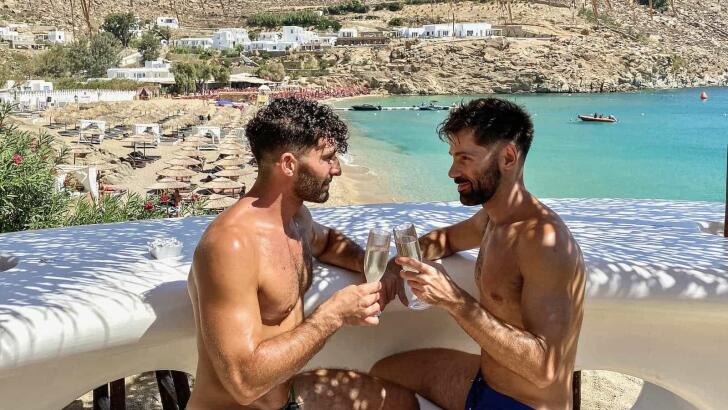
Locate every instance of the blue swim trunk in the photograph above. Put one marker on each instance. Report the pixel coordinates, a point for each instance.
(483, 397)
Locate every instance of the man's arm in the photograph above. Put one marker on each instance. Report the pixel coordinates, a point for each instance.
(550, 306)
(231, 327)
(464, 235)
(333, 247)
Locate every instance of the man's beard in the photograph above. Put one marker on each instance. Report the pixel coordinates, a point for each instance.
(482, 190)
(311, 189)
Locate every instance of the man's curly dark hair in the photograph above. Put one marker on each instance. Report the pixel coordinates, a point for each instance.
(491, 120)
(294, 125)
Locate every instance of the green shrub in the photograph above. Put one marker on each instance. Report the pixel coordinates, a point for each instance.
(395, 22)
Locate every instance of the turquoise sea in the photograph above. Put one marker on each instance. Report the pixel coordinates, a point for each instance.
(666, 145)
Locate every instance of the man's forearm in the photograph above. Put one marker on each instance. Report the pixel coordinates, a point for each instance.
(278, 359)
(518, 350)
(343, 252)
(434, 245)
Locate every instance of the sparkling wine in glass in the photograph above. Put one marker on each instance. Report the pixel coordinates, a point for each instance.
(405, 238)
(377, 254)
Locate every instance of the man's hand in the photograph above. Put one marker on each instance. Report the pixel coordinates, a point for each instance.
(355, 305)
(432, 284)
(392, 285)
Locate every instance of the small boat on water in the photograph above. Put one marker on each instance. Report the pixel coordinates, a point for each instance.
(595, 118)
(432, 107)
(366, 107)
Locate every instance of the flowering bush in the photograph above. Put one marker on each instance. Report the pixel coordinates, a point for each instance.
(30, 200)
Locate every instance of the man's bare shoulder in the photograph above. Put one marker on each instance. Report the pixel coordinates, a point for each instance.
(545, 239)
(230, 238)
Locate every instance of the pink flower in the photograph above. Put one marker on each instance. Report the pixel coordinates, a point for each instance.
(66, 182)
(17, 159)
(195, 197)
(164, 198)
(148, 206)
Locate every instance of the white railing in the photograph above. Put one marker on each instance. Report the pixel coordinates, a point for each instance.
(83, 306)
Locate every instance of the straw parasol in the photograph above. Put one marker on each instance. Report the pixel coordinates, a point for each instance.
(233, 172)
(143, 139)
(232, 145)
(222, 183)
(190, 153)
(168, 183)
(79, 149)
(231, 162)
(216, 201)
(177, 172)
(184, 161)
(186, 144)
(236, 151)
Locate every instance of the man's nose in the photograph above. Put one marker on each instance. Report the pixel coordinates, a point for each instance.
(453, 172)
(336, 167)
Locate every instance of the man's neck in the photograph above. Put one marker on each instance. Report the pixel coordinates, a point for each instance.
(511, 204)
(275, 199)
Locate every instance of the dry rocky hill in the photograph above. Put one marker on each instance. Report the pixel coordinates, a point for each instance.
(566, 49)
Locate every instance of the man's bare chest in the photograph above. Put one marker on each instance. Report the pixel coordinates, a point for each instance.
(497, 275)
(286, 274)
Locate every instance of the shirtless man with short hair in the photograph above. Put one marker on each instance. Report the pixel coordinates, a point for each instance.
(253, 265)
(529, 272)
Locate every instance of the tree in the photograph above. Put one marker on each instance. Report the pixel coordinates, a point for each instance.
(149, 46)
(271, 70)
(121, 25)
(93, 57)
(165, 33)
(52, 62)
(194, 77)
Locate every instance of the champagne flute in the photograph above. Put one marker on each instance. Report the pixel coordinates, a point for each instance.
(377, 254)
(405, 238)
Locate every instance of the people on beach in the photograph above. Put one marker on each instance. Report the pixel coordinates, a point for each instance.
(529, 272)
(253, 265)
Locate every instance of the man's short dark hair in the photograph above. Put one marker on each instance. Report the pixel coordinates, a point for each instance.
(294, 125)
(491, 120)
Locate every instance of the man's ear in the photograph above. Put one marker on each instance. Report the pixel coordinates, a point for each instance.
(288, 164)
(509, 156)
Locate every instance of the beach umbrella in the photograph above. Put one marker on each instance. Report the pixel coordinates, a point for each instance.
(231, 162)
(233, 172)
(177, 172)
(190, 153)
(183, 161)
(168, 183)
(222, 183)
(79, 149)
(232, 146)
(216, 201)
(143, 139)
(194, 144)
(237, 151)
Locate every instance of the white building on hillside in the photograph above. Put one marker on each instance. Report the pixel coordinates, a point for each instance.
(200, 42)
(458, 30)
(291, 38)
(8, 34)
(463, 30)
(157, 71)
(170, 22)
(348, 33)
(229, 38)
(36, 85)
(438, 30)
(57, 36)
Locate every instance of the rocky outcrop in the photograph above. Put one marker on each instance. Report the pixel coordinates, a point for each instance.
(628, 51)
